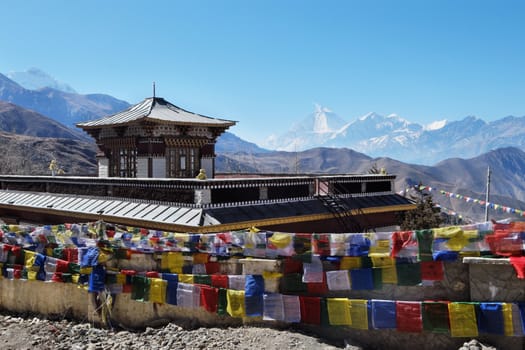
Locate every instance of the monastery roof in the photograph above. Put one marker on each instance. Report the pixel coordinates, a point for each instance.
(156, 109)
(176, 217)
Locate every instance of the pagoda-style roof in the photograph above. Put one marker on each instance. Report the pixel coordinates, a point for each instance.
(156, 109)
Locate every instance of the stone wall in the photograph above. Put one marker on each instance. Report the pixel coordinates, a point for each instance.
(475, 280)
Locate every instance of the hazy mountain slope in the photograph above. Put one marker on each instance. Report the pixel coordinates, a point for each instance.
(17, 120)
(34, 79)
(229, 142)
(29, 155)
(66, 108)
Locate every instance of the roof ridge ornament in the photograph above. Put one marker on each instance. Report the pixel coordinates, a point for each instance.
(153, 90)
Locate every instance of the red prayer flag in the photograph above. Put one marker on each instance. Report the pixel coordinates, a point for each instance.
(212, 267)
(518, 262)
(292, 266)
(62, 266)
(209, 298)
(219, 281)
(408, 316)
(432, 270)
(319, 288)
(310, 309)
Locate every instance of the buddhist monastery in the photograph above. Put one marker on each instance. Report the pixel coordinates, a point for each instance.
(156, 169)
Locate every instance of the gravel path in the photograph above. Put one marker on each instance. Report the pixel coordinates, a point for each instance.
(36, 333)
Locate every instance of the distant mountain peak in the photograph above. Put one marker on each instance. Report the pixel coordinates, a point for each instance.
(321, 119)
(439, 124)
(36, 79)
(370, 116)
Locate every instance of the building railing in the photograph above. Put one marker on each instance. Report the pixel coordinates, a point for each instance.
(217, 192)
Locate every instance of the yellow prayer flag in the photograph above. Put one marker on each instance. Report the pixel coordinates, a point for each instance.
(271, 274)
(359, 313)
(280, 240)
(462, 320)
(382, 261)
(380, 249)
(457, 243)
(446, 232)
(350, 262)
(157, 290)
(235, 299)
(172, 261)
(508, 326)
(470, 234)
(31, 275)
(200, 258)
(121, 278)
(29, 258)
(185, 278)
(389, 274)
(339, 311)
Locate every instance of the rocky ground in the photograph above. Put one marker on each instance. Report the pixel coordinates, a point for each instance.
(36, 333)
(17, 332)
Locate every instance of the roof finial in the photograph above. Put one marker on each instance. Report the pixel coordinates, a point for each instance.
(153, 89)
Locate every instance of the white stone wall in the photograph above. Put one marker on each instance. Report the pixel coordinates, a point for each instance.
(207, 165)
(142, 167)
(159, 167)
(103, 167)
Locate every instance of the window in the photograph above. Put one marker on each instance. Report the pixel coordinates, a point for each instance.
(182, 162)
(123, 162)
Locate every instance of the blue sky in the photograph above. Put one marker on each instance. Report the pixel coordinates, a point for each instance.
(266, 63)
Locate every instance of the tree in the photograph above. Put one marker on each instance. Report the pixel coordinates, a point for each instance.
(425, 216)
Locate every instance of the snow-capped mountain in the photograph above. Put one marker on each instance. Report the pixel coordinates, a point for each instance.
(395, 137)
(316, 129)
(367, 133)
(35, 79)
